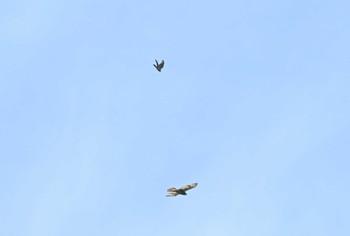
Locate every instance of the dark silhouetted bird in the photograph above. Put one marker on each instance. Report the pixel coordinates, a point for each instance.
(182, 191)
(159, 66)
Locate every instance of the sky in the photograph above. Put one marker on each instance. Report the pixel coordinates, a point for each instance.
(253, 104)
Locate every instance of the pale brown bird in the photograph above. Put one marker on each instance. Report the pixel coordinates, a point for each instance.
(182, 191)
(159, 66)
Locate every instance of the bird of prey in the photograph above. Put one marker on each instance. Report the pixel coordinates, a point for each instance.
(159, 66)
(182, 191)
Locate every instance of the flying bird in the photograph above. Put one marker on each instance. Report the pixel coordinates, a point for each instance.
(159, 66)
(182, 191)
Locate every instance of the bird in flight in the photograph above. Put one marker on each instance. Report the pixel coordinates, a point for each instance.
(182, 191)
(159, 66)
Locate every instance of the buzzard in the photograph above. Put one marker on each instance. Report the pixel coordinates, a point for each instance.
(159, 66)
(182, 191)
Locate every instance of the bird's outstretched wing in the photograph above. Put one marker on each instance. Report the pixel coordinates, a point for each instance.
(161, 65)
(172, 194)
(172, 189)
(189, 186)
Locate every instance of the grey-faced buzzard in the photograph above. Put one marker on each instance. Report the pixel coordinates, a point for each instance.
(182, 191)
(159, 66)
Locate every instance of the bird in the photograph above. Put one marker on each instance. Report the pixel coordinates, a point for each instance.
(182, 191)
(159, 66)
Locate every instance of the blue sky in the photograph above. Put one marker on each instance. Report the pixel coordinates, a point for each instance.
(253, 104)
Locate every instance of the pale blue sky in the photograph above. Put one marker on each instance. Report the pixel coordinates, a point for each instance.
(253, 104)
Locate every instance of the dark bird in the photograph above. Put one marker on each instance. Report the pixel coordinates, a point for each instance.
(182, 191)
(159, 66)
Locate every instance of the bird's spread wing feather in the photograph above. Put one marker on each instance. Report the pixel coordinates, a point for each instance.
(189, 186)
